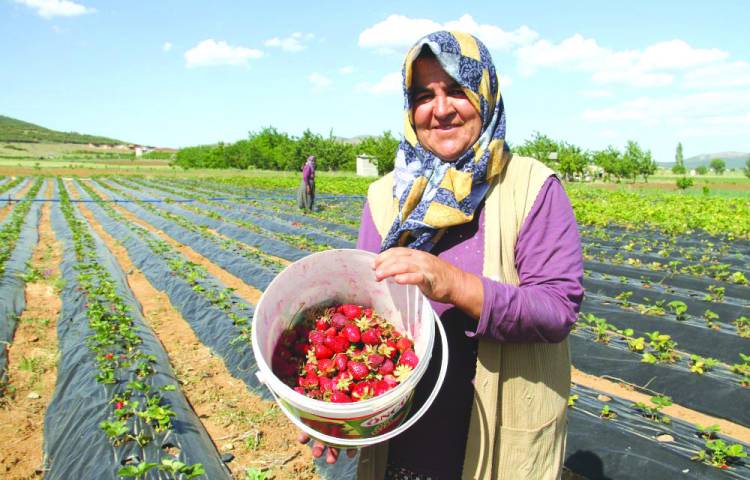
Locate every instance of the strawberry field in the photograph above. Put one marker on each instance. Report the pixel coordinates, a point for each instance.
(126, 302)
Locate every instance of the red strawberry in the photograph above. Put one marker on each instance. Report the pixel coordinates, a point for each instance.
(362, 391)
(301, 348)
(351, 311)
(374, 360)
(299, 390)
(352, 332)
(321, 324)
(387, 367)
(316, 337)
(321, 351)
(368, 312)
(338, 320)
(381, 386)
(109, 356)
(331, 332)
(326, 366)
(391, 381)
(119, 405)
(409, 358)
(358, 370)
(340, 397)
(326, 384)
(340, 360)
(393, 349)
(371, 336)
(310, 368)
(310, 381)
(343, 381)
(403, 344)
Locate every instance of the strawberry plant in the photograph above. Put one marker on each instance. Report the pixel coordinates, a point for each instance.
(663, 348)
(607, 413)
(654, 412)
(709, 432)
(701, 365)
(743, 326)
(743, 370)
(624, 298)
(678, 308)
(710, 318)
(719, 454)
(572, 400)
(715, 294)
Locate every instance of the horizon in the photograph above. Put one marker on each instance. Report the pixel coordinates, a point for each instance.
(175, 75)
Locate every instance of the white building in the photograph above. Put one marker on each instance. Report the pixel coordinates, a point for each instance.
(366, 166)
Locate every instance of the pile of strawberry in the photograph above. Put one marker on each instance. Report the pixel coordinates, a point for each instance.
(344, 353)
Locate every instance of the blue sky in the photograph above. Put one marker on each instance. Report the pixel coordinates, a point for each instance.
(177, 73)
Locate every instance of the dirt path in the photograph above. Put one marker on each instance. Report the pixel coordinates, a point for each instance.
(32, 362)
(238, 421)
(7, 207)
(243, 290)
(627, 392)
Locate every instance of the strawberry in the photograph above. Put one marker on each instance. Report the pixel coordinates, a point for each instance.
(351, 332)
(381, 386)
(351, 311)
(331, 332)
(391, 381)
(321, 324)
(371, 336)
(340, 360)
(409, 358)
(391, 349)
(340, 397)
(119, 405)
(316, 337)
(368, 312)
(299, 390)
(326, 366)
(387, 367)
(310, 381)
(358, 370)
(375, 360)
(109, 356)
(337, 344)
(310, 368)
(403, 344)
(326, 384)
(338, 320)
(343, 381)
(321, 351)
(301, 348)
(362, 391)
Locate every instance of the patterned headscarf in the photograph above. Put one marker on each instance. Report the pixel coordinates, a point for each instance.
(433, 194)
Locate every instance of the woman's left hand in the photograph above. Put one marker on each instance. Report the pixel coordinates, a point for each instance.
(436, 278)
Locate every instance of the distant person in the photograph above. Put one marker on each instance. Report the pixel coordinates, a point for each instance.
(490, 238)
(306, 191)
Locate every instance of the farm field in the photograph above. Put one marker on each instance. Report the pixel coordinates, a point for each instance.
(125, 303)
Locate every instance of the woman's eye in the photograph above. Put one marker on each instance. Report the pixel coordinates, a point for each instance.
(457, 92)
(422, 97)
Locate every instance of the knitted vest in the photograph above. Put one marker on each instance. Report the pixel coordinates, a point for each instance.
(518, 422)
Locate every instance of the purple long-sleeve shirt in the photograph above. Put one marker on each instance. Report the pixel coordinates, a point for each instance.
(308, 174)
(542, 308)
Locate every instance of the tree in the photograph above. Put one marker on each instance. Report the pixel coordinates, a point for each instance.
(747, 167)
(646, 165)
(539, 146)
(608, 160)
(718, 166)
(684, 182)
(571, 160)
(679, 162)
(701, 169)
(632, 160)
(382, 149)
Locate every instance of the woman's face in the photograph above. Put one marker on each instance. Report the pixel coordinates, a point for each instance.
(445, 120)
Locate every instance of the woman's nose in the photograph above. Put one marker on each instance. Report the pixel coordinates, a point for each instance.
(443, 106)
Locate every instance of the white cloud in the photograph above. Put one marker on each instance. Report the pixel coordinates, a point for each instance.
(728, 74)
(211, 53)
(397, 33)
(319, 81)
(389, 84)
(656, 65)
(167, 46)
(704, 111)
(293, 43)
(346, 70)
(56, 8)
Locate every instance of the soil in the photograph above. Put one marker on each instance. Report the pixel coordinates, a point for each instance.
(32, 363)
(629, 392)
(239, 422)
(7, 207)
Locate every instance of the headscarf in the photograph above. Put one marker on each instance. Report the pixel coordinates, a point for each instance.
(311, 161)
(432, 194)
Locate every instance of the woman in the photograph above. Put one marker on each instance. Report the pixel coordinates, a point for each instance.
(306, 190)
(491, 239)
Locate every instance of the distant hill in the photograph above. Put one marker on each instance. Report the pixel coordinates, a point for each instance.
(13, 130)
(732, 159)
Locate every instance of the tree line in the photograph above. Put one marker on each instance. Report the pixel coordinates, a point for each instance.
(270, 149)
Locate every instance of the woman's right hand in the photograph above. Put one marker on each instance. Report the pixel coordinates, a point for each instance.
(332, 454)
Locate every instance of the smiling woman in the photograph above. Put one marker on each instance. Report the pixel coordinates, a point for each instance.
(490, 238)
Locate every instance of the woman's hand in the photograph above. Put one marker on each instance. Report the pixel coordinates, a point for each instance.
(437, 279)
(317, 449)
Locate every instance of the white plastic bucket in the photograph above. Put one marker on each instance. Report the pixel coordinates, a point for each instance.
(346, 276)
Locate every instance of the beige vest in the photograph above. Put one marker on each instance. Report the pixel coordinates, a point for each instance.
(518, 422)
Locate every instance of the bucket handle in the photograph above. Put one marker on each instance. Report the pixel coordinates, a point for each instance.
(365, 442)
